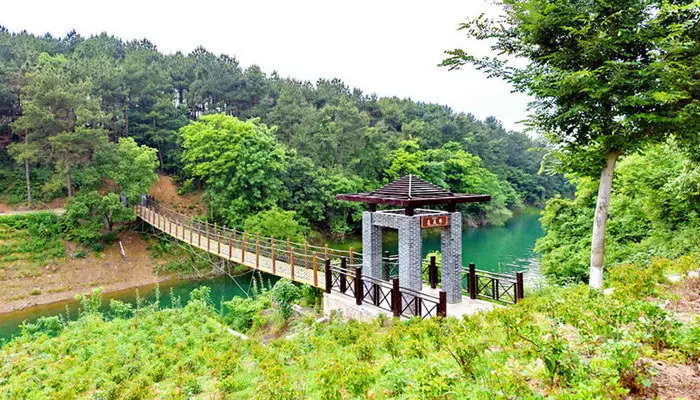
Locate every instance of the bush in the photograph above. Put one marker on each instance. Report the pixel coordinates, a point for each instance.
(242, 312)
(284, 293)
(98, 247)
(79, 254)
(110, 238)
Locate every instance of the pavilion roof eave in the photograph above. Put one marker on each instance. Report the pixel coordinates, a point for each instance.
(416, 201)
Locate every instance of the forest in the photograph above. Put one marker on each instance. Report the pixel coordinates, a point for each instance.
(302, 143)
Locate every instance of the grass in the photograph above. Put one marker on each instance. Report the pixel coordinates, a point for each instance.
(28, 242)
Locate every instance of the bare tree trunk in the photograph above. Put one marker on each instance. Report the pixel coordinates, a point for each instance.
(26, 174)
(600, 220)
(160, 156)
(29, 184)
(69, 181)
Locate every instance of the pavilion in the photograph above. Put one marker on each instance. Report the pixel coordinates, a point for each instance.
(411, 193)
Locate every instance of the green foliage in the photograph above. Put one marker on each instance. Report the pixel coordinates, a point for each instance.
(570, 342)
(87, 212)
(616, 79)
(324, 138)
(285, 293)
(31, 237)
(134, 169)
(654, 211)
(240, 162)
(275, 222)
(242, 313)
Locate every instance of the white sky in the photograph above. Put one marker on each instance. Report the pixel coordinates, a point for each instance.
(388, 47)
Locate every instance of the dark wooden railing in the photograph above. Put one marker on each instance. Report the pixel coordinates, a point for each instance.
(492, 286)
(501, 288)
(391, 297)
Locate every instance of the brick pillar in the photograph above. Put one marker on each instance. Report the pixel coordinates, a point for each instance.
(410, 255)
(371, 247)
(451, 242)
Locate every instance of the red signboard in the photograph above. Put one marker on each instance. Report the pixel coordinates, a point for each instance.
(433, 221)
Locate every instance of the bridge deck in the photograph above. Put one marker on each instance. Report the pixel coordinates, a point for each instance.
(294, 261)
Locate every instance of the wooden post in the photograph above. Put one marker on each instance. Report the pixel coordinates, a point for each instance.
(473, 290)
(442, 305)
(351, 257)
(358, 286)
(272, 249)
(494, 289)
(306, 254)
(199, 232)
(519, 286)
(243, 239)
(230, 247)
(191, 228)
(234, 234)
(377, 292)
(327, 251)
(329, 277)
(315, 269)
(290, 260)
(343, 277)
(218, 241)
(257, 251)
(432, 273)
(207, 236)
(417, 306)
(396, 298)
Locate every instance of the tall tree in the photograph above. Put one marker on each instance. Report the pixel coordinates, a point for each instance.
(60, 112)
(607, 78)
(240, 162)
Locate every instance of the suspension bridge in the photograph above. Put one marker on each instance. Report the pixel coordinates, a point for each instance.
(299, 262)
(330, 269)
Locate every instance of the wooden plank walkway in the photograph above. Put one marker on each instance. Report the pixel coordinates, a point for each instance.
(299, 262)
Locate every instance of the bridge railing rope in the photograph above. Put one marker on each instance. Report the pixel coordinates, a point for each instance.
(300, 262)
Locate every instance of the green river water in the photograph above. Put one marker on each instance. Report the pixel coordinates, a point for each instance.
(498, 249)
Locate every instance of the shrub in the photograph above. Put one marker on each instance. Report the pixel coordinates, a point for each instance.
(110, 238)
(79, 254)
(242, 312)
(284, 293)
(98, 247)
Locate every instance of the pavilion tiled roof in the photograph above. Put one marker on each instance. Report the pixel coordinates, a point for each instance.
(412, 191)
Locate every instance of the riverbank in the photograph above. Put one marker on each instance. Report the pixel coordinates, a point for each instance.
(31, 285)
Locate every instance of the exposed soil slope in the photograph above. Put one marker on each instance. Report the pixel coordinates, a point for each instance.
(166, 192)
(25, 286)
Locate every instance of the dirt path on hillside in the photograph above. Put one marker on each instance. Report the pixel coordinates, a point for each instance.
(166, 192)
(57, 211)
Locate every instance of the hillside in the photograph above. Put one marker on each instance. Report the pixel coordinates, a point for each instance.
(638, 342)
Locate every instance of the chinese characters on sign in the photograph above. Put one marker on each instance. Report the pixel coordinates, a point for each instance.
(435, 221)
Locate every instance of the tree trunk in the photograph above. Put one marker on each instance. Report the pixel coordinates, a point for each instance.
(69, 181)
(160, 155)
(600, 220)
(29, 184)
(126, 121)
(26, 174)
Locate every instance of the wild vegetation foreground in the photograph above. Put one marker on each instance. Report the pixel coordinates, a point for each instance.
(572, 342)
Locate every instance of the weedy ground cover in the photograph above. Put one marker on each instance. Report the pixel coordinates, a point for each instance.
(561, 342)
